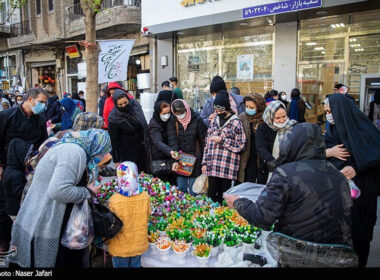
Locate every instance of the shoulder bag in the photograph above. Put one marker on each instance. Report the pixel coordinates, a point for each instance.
(106, 223)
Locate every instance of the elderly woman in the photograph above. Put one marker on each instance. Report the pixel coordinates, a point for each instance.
(60, 180)
(268, 135)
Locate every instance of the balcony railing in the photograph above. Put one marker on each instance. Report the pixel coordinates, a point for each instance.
(75, 12)
(20, 29)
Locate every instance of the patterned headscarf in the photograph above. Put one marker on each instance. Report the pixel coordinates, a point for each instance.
(259, 100)
(95, 142)
(127, 175)
(87, 120)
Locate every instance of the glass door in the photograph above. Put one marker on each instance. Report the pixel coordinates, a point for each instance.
(315, 81)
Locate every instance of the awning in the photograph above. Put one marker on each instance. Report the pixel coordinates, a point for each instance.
(42, 63)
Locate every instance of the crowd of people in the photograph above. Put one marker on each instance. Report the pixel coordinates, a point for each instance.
(234, 139)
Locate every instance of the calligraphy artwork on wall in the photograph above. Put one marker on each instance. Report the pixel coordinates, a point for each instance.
(244, 67)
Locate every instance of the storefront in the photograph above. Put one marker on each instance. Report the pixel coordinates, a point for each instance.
(312, 49)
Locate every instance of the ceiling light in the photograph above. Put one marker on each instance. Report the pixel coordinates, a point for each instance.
(138, 61)
(319, 48)
(342, 25)
(333, 25)
(311, 44)
(352, 40)
(323, 52)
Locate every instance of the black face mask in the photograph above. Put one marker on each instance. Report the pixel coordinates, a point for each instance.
(222, 115)
(125, 109)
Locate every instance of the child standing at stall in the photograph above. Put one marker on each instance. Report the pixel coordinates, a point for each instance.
(132, 205)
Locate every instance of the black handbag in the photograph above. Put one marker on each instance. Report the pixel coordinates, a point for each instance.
(106, 223)
(161, 167)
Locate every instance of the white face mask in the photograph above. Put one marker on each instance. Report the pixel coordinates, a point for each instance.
(19, 102)
(283, 97)
(165, 117)
(182, 116)
(281, 125)
(330, 118)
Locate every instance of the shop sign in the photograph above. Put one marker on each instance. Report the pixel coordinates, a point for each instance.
(282, 7)
(187, 3)
(72, 51)
(244, 66)
(193, 63)
(113, 60)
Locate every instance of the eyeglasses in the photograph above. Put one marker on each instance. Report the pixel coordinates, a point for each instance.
(219, 107)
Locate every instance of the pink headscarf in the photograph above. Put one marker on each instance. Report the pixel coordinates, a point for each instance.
(186, 120)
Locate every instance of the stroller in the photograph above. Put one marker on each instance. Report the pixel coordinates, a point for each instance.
(292, 252)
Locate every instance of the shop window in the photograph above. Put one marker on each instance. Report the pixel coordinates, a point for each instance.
(242, 57)
(51, 5)
(38, 7)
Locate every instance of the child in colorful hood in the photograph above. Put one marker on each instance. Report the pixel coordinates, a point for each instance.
(132, 205)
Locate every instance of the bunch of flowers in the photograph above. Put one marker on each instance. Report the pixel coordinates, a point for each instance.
(107, 190)
(231, 239)
(214, 239)
(163, 243)
(180, 246)
(202, 250)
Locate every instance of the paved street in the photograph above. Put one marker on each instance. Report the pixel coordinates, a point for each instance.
(374, 255)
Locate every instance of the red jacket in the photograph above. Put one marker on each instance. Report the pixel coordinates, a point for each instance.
(109, 105)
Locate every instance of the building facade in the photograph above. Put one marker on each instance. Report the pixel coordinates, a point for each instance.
(266, 44)
(46, 28)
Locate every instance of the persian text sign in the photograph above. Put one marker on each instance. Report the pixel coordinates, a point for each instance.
(282, 7)
(113, 60)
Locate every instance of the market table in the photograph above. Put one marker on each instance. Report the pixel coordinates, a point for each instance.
(152, 258)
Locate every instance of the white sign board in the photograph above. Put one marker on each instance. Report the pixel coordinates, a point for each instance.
(244, 67)
(82, 70)
(113, 60)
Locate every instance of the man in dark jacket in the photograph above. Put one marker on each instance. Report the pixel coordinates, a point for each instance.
(102, 101)
(25, 122)
(166, 94)
(308, 196)
(14, 175)
(53, 110)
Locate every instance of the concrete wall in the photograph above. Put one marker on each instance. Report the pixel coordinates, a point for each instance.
(285, 57)
(164, 48)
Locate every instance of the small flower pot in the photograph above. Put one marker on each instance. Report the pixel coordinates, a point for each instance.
(229, 248)
(153, 248)
(214, 251)
(164, 253)
(180, 256)
(203, 260)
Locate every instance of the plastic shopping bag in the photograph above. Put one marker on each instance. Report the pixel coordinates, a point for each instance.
(250, 191)
(355, 191)
(79, 231)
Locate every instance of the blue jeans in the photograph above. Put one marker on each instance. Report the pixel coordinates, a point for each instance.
(119, 262)
(185, 184)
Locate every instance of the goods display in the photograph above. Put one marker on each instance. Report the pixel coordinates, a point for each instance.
(182, 222)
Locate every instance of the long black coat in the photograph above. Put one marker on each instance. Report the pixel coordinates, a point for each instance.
(158, 137)
(265, 137)
(308, 196)
(187, 140)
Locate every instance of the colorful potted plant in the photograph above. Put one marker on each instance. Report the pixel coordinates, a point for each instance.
(231, 240)
(163, 246)
(214, 241)
(180, 248)
(202, 252)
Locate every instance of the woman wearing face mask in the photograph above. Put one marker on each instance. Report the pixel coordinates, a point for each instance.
(187, 133)
(252, 167)
(282, 98)
(158, 136)
(269, 134)
(19, 99)
(225, 140)
(352, 143)
(128, 131)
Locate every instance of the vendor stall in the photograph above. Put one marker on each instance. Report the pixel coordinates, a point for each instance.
(188, 231)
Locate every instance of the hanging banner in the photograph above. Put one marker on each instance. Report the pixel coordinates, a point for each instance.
(244, 67)
(113, 60)
(282, 7)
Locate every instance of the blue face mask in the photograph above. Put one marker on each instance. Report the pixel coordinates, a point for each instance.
(250, 112)
(38, 108)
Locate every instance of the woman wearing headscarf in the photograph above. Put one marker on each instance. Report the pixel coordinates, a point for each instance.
(307, 197)
(252, 167)
(132, 205)
(350, 127)
(374, 110)
(128, 131)
(158, 138)
(269, 134)
(69, 111)
(297, 106)
(225, 140)
(187, 133)
(59, 181)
